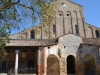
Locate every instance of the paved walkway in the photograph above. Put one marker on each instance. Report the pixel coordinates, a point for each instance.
(3, 73)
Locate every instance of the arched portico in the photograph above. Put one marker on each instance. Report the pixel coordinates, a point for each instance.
(89, 64)
(53, 65)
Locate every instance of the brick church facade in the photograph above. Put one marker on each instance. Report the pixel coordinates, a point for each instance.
(71, 46)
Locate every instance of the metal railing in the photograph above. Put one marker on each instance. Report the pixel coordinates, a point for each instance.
(23, 71)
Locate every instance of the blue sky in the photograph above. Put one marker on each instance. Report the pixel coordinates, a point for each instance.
(91, 11)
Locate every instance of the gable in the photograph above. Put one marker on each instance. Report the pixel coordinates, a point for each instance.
(66, 5)
(70, 40)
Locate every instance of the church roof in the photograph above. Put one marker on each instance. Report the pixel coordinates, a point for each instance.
(95, 41)
(31, 42)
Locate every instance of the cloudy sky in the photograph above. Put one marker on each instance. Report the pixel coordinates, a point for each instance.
(91, 11)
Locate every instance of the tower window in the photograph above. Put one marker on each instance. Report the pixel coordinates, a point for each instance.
(76, 29)
(32, 35)
(54, 29)
(67, 14)
(97, 33)
(60, 14)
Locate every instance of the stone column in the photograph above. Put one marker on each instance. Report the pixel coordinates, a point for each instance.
(38, 61)
(16, 61)
(63, 69)
(45, 63)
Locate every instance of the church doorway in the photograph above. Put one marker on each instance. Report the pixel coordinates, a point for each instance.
(89, 63)
(53, 65)
(70, 65)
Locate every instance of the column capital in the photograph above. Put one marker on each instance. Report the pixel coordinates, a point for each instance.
(17, 51)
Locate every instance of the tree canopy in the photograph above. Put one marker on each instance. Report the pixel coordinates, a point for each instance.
(15, 13)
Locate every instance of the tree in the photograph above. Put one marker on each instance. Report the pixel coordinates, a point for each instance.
(14, 14)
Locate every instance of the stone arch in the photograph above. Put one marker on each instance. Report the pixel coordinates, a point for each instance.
(90, 32)
(89, 65)
(53, 65)
(70, 64)
(68, 13)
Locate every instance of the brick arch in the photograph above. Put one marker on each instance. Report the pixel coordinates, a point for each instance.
(90, 32)
(89, 64)
(53, 65)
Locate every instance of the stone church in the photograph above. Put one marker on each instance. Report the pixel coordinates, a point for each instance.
(72, 46)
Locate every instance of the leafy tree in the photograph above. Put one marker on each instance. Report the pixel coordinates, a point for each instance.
(14, 14)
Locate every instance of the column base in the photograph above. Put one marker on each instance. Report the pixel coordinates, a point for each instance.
(16, 72)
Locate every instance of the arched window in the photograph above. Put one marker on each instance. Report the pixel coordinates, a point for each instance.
(60, 14)
(32, 35)
(70, 64)
(80, 13)
(90, 32)
(77, 29)
(54, 29)
(63, 4)
(97, 33)
(68, 14)
(75, 13)
(24, 35)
